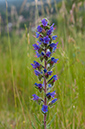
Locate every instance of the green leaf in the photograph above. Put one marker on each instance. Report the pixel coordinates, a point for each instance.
(40, 77)
(37, 120)
(47, 116)
(39, 101)
(41, 58)
(48, 126)
(33, 125)
(40, 50)
(42, 125)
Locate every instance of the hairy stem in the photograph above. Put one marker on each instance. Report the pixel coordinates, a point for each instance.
(45, 101)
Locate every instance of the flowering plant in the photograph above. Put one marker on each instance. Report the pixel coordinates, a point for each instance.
(44, 50)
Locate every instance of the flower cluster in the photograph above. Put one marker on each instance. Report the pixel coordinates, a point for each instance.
(44, 49)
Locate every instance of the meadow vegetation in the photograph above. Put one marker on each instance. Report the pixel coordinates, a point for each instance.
(17, 110)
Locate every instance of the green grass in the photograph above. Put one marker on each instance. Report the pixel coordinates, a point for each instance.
(70, 88)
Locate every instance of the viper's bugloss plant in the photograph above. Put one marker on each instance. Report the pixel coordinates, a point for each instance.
(44, 49)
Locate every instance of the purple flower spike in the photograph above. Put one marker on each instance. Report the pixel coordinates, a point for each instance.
(44, 22)
(46, 40)
(39, 29)
(35, 97)
(37, 34)
(48, 54)
(44, 108)
(44, 49)
(54, 37)
(37, 72)
(53, 101)
(36, 47)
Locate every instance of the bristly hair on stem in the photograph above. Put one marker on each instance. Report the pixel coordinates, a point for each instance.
(44, 49)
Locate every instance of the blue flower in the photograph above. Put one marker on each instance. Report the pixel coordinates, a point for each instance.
(45, 71)
(44, 22)
(48, 95)
(52, 45)
(35, 65)
(39, 43)
(53, 101)
(54, 37)
(49, 73)
(39, 29)
(39, 86)
(37, 34)
(38, 55)
(35, 97)
(41, 39)
(36, 84)
(54, 78)
(55, 47)
(49, 32)
(53, 94)
(53, 60)
(46, 40)
(49, 85)
(44, 108)
(37, 72)
(52, 27)
(48, 54)
(42, 53)
(36, 47)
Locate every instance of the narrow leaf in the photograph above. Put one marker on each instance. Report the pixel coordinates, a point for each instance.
(33, 125)
(47, 116)
(37, 120)
(51, 121)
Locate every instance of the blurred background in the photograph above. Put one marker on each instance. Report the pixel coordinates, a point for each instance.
(18, 22)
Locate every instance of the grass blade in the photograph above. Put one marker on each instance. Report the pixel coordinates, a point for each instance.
(51, 121)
